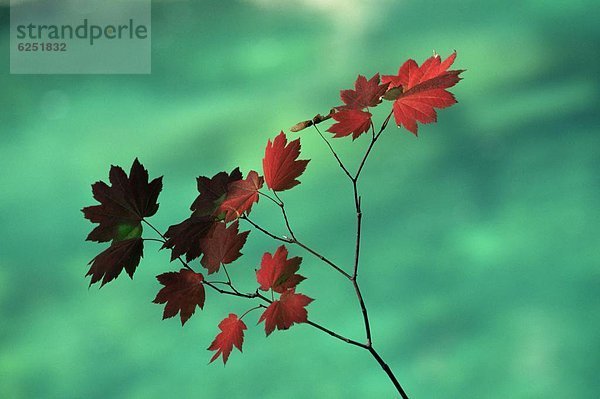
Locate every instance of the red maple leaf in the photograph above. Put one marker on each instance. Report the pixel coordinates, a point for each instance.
(423, 90)
(213, 191)
(289, 309)
(222, 245)
(277, 272)
(232, 333)
(126, 201)
(185, 237)
(280, 164)
(241, 195)
(124, 254)
(366, 93)
(182, 292)
(353, 121)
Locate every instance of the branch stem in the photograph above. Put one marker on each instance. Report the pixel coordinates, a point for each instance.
(298, 243)
(388, 371)
(353, 278)
(334, 153)
(336, 335)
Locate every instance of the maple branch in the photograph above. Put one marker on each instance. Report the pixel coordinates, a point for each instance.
(361, 301)
(250, 310)
(336, 335)
(334, 153)
(285, 218)
(219, 282)
(373, 130)
(371, 350)
(253, 295)
(300, 244)
(232, 293)
(324, 259)
(227, 275)
(363, 309)
(229, 282)
(388, 371)
(294, 240)
(357, 205)
(155, 229)
(373, 141)
(309, 322)
(269, 197)
(357, 200)
(353, 278)
(153, 239)
(265, 231)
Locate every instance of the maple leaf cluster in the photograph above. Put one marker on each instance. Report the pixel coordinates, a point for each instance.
(416, 91)
(211, 236)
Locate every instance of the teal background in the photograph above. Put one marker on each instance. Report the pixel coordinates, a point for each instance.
(480, 257)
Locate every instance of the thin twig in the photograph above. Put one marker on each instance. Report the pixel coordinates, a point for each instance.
(269, 197)
(155, 229)
(153, 239)
(250, 310)
(164, 241)
(290, 240)
(336, 335)
(232, 293)
(265, 231)
(373, 141)
(324, 259)
(334, 153)
(285, 217)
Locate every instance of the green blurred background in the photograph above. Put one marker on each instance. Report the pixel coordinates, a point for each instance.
(480, 258)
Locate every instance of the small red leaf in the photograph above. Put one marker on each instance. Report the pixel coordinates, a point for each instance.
(352, 121)
(182, 292)
(282, 314)
(366, 93)
(241, 195)
(423, 90)
(232, 334)
(125, 254)
(281, 165)
(277, 272)
(222, 245)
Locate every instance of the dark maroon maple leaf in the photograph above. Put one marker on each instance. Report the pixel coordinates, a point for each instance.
(282, 314)
(366, 93)
(126, 201)
(185, 237)
(232, 334)
(222, 245)
(277, 272)
(353, 121)
(423, 90)
(281, 165)
(125, 254)
(182, 292)
(213, 191)
(241, 195)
